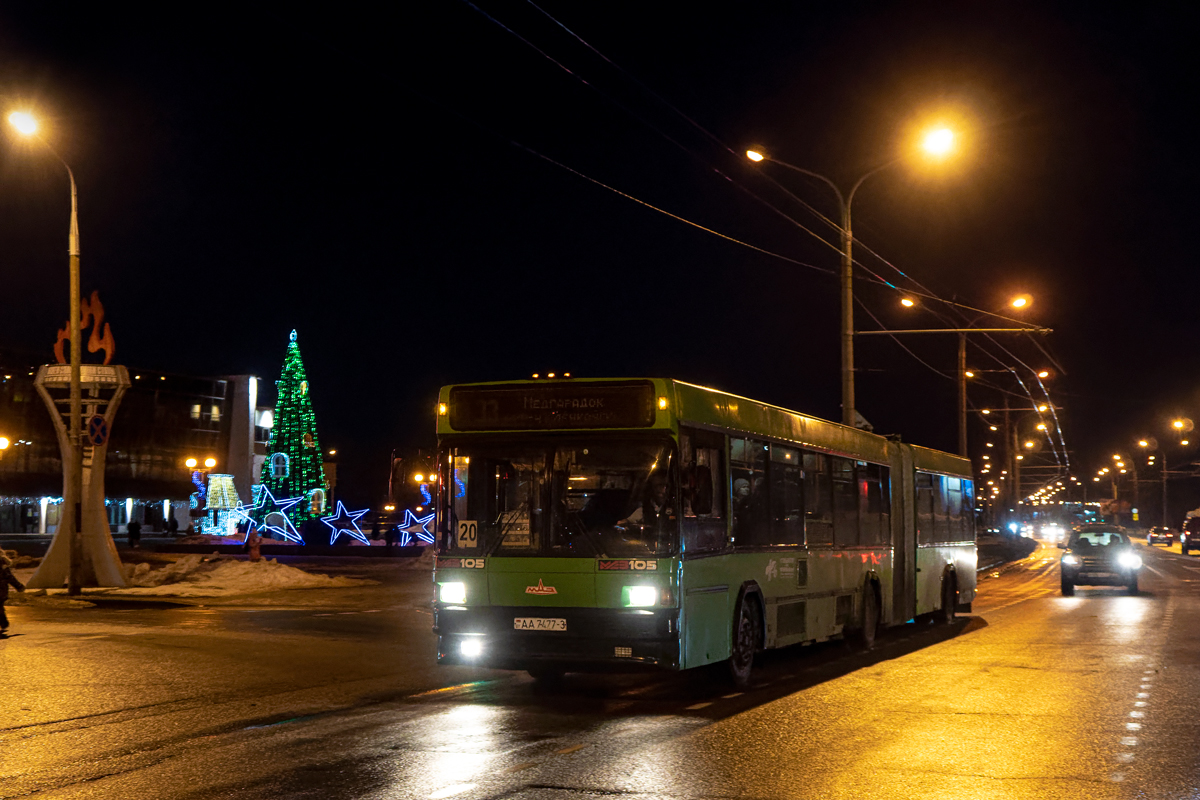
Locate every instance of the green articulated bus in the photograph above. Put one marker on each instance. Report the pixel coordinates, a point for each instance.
(616, 524)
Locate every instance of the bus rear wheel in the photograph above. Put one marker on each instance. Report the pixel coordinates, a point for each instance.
(746, 633)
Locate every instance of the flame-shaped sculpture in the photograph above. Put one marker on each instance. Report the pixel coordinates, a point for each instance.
(89, 307)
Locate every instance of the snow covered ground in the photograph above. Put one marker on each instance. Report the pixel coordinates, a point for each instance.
(211, 576)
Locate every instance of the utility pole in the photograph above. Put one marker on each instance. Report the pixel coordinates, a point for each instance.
(962, 395)
(1163, 454)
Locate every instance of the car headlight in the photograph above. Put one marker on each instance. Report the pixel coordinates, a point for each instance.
(1070, 560)
(640, 595)
(453, 592)
(1130, 560)
(472, 647)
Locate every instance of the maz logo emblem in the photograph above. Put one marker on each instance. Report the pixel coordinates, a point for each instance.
(540, 589)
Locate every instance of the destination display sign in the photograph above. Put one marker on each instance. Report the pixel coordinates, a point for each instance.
(612, 404)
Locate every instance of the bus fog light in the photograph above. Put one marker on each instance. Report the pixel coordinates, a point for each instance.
(454, 592)
(470, 648)
(641, 595)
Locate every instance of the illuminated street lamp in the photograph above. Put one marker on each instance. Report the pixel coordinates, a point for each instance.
(938, 143)
(26, 125)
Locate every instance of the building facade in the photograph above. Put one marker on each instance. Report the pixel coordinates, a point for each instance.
(163, 420)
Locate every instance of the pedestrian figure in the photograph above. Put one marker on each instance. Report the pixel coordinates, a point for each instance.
(6, 579)
(390, 536)
(172, 525)
(134, 529)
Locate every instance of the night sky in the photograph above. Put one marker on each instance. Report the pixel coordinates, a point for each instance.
(395, 186)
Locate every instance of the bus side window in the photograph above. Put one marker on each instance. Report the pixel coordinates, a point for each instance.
(787, 496)
(870, 497)
(968, 510)
(924, 508)
(751, 511)
(703, 490)
(818, 501)
(941, 518)
(954, 509)
(885, 504)
(845, 503)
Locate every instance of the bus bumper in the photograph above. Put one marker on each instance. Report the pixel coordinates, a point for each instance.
(595, 639)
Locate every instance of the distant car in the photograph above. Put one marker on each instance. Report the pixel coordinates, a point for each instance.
(1099, 555)
(1189, 537)
(1053, 532)
(1161, 534)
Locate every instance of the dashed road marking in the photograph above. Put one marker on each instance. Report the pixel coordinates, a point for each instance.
(697, 706)
(571, 749)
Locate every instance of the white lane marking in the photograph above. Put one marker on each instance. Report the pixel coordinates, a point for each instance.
(1129, 741)
(731, 696)
(697, 706)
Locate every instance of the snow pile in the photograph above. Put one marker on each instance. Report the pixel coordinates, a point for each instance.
(192, 576)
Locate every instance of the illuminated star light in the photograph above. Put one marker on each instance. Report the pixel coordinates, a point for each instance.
(345, 522)
(267, 505)
(418, 526)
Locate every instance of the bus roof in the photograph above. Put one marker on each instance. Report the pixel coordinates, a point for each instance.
(672, 402)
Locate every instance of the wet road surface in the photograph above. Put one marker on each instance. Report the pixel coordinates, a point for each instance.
(1032, 695)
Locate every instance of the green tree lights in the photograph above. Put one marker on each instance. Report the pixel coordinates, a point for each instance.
(293, 465)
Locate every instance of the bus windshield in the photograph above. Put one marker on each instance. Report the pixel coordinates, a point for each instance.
(603, 497)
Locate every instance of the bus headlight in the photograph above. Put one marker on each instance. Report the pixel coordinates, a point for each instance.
(454, 592)
(470, 648)
(641, 595)
(1130, 560)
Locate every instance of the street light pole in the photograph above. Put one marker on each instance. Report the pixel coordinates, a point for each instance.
(28, 126)
(76, 475)
(845, 275)
(962, 364)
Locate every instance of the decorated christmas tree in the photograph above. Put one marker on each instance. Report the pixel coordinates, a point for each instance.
(292, 477)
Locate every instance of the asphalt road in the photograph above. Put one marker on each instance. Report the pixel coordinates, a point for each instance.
(334, 694)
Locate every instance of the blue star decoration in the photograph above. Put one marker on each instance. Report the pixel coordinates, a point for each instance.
(421, 527)
(274, 519)
(345, 522)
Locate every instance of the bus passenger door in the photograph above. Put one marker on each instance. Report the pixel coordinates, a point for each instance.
(904, 534)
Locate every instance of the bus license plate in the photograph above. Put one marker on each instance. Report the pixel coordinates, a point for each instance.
(539, 624)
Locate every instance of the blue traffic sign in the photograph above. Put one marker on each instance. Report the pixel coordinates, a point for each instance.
(97, 430)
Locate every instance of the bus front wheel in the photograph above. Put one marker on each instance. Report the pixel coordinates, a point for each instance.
(746, 628)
